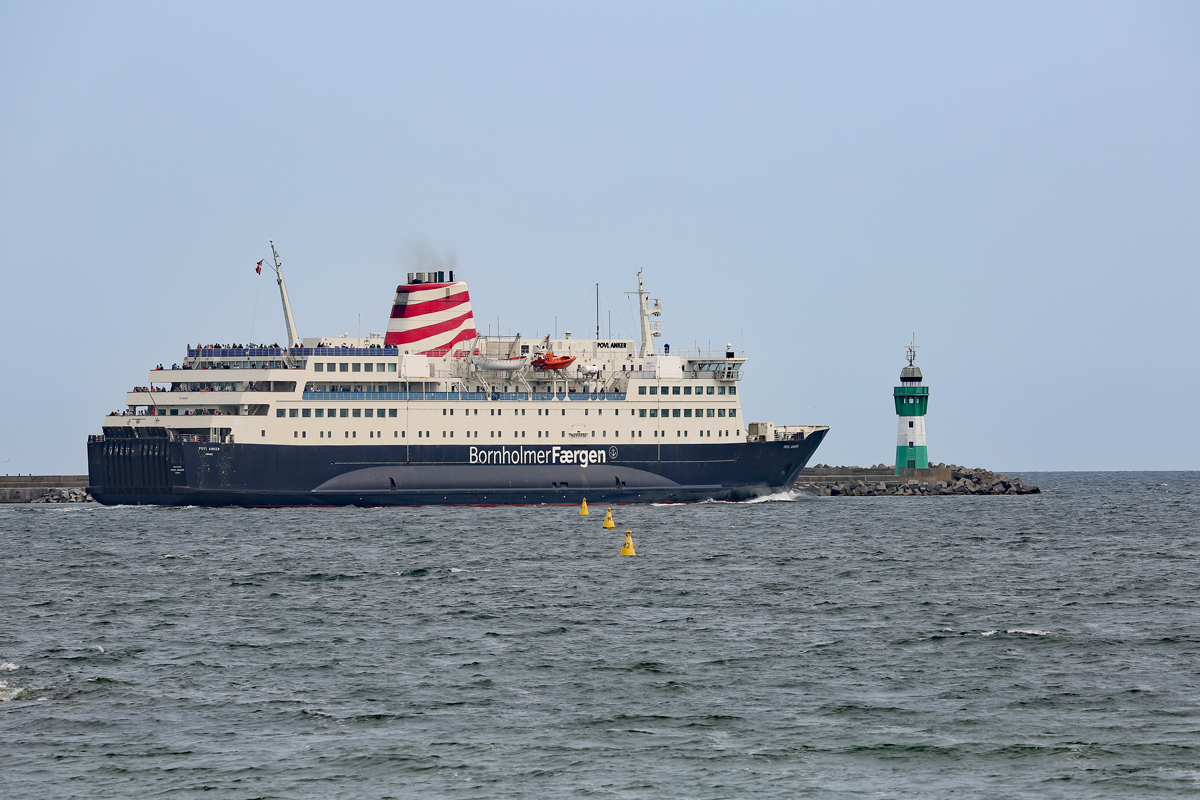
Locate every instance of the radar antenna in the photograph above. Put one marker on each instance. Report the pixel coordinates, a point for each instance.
(288, 321)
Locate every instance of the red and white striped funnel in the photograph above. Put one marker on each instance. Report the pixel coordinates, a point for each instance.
(430, 316)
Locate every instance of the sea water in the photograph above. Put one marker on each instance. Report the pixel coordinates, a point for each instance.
(1032, 647)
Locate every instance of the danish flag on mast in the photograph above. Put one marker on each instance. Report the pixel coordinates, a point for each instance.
(430, 316)
(258, 269)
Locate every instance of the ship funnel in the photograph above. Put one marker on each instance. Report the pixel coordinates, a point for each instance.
(430, 316)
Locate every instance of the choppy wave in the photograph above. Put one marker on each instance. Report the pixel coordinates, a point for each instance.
(8, 692)
(748, 650)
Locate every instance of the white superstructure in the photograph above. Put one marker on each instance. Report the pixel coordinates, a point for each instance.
(426, 379)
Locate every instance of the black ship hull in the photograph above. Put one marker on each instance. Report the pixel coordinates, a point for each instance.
(163, 471)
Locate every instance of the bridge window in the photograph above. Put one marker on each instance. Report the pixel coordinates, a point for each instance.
(391, 367)
(641, 412)
(367, 412)
(654, 412)
(320, 412)
(357, 412)
(379, 412)
(733, 390)
(687, 390)
(720, 412)
(343, 367)
(710, 412)
(356, 367)
(674, 390)
(641, 390)
(391, 412)
(720, 390)
(687, 412)
(306, 412)
(318, 366)
(733, 412)
(368, 367)
(279, 412)
(293, 412)
(332, 413)
(675, 412)
(653, 390)
(710, 389)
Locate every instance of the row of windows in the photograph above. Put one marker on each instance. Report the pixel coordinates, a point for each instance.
(392, 412)
(686, 389)
(497, 434)
(347, 434)
(687, 412)
(333, 412)
(321, 366)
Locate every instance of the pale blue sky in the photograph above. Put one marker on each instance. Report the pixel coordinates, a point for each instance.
(1017, 184)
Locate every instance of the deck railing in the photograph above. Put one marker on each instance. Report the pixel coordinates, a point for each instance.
(459, 396)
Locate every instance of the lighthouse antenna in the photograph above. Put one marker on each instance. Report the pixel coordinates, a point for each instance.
(288, 321)
(912, 350)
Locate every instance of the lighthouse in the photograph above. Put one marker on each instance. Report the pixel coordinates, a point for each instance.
(912, 400)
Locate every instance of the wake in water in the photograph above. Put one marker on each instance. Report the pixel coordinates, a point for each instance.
(778, 497)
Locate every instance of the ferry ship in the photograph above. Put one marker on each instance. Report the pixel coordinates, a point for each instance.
(433, 413)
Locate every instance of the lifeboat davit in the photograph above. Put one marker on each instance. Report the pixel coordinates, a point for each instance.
(548, 360)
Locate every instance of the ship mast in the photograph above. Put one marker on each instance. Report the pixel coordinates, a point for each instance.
(649, 331)
(293, 340)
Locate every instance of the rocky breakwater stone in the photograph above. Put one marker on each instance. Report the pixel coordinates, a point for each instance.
(65, 496)
(964, 481)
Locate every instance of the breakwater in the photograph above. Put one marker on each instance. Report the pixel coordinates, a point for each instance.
(882, 480)
(44, 489)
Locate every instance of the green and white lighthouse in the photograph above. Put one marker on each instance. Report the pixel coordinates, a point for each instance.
(912, 400)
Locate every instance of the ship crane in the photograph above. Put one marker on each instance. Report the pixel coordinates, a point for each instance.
(288, 321)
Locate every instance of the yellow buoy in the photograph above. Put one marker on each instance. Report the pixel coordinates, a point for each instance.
(583, 512)
(608, 523)
(627, 550)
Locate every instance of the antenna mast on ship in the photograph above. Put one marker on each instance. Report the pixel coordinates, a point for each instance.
(288, 321)
(649, 331)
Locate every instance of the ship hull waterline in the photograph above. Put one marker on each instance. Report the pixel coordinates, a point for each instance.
(164, 472)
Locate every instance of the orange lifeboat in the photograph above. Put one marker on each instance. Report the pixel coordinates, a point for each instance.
(548, 360)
